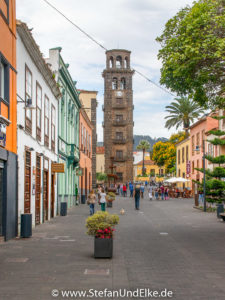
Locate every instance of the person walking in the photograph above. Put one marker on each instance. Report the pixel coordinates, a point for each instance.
(166, 193)
(162, 192)
(121, 189)
(137, 193)
(91, 202)
(118, 188)
(124, 190)
(102, 199)
(142, 191)
(150, 190)
(156, 193)
(131, 187)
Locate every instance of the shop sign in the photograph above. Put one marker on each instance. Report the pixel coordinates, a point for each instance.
(58, 168)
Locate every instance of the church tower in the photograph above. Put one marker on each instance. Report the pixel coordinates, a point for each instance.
(118, 114)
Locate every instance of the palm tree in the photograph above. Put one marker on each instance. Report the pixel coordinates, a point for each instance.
(143, 145)
(182, 112)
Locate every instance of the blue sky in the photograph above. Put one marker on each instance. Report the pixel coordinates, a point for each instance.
(126, 24)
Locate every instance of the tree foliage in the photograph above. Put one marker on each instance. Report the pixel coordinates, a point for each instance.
(164, 154)
(193, 51)
(182, 112)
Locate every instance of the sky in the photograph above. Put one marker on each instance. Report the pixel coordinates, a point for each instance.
(124, 24)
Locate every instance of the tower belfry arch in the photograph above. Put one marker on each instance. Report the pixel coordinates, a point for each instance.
(118, 113)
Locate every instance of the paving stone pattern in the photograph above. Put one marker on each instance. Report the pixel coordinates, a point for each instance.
(166, 244)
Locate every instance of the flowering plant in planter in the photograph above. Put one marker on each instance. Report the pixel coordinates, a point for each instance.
(110, 197)
(106, 233)
(101, 223)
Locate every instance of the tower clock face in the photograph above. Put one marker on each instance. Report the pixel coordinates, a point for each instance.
(119, 94)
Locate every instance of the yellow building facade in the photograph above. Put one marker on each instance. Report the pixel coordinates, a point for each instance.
(152, 170)
(183, 162)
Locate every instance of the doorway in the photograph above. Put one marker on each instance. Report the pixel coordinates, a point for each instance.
(1, 197)
(45, 196)
(27, 187)
(38, 191)
(52, 195)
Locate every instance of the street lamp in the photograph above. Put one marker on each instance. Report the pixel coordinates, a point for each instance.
(197, 148)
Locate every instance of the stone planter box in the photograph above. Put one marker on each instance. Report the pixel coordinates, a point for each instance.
(220, 209)
(109, 204)
(103, 248)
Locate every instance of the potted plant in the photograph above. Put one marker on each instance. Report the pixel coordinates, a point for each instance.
(110, 198)
(101, 226)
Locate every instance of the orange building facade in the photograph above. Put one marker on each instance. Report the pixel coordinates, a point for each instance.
(86, 128)
(8, 122)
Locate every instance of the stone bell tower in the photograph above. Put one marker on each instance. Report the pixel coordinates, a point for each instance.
(118, 114)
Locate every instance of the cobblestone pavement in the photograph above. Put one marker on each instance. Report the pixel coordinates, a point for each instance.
(166, 244)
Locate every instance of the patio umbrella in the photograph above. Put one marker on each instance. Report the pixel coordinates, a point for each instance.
(176, 179)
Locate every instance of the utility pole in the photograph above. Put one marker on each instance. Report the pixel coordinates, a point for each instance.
(204, 186)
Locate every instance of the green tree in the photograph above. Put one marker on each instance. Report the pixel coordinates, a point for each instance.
(182, 112)
(192, 52)
(177, 137)
(101, 177)
(164, 154)
(144, 146)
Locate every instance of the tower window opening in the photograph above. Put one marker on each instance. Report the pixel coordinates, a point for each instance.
(119, 62)
(114, 83)
(126, 63)
(111, 62)
(123, 84)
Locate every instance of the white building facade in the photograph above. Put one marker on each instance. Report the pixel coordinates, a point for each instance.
(37, 132)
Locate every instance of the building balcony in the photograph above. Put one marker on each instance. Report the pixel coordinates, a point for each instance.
(119, 105)
(103, 107)
(120, 122)
(103, 124)
(73, 153)
(120, 159)
(119, 141)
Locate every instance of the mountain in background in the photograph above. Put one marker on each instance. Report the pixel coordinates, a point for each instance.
(138, 138)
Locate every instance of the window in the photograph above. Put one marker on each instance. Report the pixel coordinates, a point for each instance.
(119, 62)
(111, 62)
(193, 167)
(184, 175)
(119, 153)
(119, 135)
(119, 118)
(90, 144)
(4, 10)
(178, 157)
(38, 111)
(193, 145)
(46, 121)
(203, 137)
(53, 128)
(114, 83)
(187, 154)
(123, 84)
(182, 154)
(197, 166)
(120, 176)
(198, 141)
(28, 95)
(82, 137)
(126, 63)
(179, 173)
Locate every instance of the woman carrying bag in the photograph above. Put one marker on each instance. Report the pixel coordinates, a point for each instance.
(103, 199)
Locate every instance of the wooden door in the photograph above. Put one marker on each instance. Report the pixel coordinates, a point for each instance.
(38, 191)
(45, 196)
(85, 180)
(52, 195)
(1, 201)
(27, 182)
